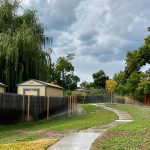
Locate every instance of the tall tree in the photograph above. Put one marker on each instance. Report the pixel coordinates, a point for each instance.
(132, 62)
(21, 43)
(64, 72)
(144, 86)
(132, 82)
(138, 58)
(85, 85)
(100, 79)
(120, 77)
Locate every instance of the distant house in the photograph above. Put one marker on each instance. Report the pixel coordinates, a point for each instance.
(39, 88)
(2, 88)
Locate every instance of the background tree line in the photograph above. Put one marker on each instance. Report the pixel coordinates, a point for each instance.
(97, 86)
(23, 54)
(132, 81)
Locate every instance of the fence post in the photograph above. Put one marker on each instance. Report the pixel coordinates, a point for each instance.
(23, 108)
(47, 107)
(111, 97)
(28, 112)
(70, 105)
(74, 105)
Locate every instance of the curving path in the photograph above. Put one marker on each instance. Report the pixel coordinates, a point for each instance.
(83, 140)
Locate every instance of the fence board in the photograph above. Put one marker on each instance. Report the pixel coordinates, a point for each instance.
(93, 99)
(15, 108)
(147, 99)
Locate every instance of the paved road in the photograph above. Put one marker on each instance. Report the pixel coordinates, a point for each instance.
(83, 140)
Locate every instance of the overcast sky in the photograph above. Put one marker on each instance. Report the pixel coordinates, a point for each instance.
(98, 32)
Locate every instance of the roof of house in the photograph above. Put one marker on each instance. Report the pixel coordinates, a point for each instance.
(44, 83)
(3, 85)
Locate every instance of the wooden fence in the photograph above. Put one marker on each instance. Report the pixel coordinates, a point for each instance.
(19, 108)
(129, 100)
(93, 99)
(146, 100)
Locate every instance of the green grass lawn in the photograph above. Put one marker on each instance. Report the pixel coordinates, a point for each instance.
(10, 137)
(128, 136)
(90, 116)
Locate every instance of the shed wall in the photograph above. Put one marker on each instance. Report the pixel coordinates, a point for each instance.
(41, 90)
(55, 92)
(2, 89)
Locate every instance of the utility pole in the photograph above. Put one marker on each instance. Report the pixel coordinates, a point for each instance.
(111, 96)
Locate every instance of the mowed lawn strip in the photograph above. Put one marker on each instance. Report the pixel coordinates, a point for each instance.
(134, 135)
(12, 136)
(89, 116)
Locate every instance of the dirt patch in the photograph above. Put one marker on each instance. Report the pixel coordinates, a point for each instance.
(48, 133)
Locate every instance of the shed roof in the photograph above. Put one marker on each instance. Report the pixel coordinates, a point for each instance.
(42, 82)
(3, 85)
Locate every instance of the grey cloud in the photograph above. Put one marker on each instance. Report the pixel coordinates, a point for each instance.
(56, 14)
(100, 30)
(92, 66)
(62, 14)
(88, 36)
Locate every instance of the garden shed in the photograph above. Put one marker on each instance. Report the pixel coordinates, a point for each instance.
(2, 88)
(39, 88)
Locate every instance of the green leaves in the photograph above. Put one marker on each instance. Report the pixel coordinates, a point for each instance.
(21, 42)
(136, 86)
(100, 79)
(137, 58)
(132, 82)
(64, 72)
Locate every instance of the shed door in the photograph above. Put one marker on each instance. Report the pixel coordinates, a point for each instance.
(34, 92)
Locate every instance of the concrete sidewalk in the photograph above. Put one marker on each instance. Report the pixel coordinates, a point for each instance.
(83, 140)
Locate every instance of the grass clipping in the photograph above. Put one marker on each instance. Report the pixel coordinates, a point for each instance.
(41, 144)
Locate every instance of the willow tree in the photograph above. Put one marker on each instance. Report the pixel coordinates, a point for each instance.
(21, 42)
